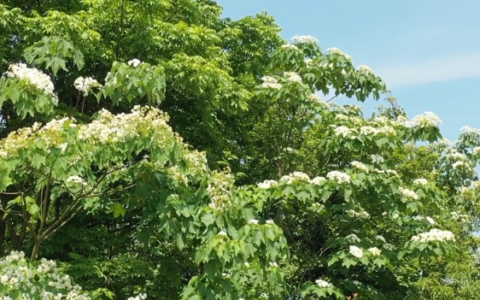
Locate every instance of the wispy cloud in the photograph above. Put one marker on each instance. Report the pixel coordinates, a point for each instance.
(439, 69)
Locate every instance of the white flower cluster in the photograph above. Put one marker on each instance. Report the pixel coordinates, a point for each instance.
(222, 233)
(270, 82)
(360, 166)
(420, 181)
(295, 177)
(380, 238)
(266, 184)
(322, 283)
(134, 63)
(289, 47)
(76, 180)
(342, 131)
(304, 39)
(377, 159)
(361, 215)
(461, 165)
(427, 120)
(219, 190)
(44, 282)
(353, 238)
(84, 84)
(460, 217)
(364, 69)
(319, 180)
(292, 77)
(355, 251)
(35, 77)
(138, 297)
(375, 251)
(434, 235)
(336, 51)
(469, 130)
(338, 176)
(313, 98)
(408, 193)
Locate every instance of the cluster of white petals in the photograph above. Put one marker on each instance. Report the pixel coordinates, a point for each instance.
(323, 284)
(375, 251)
(408, 193)
(361, 214)
(294, 177)
(138, 297)
(304, 39)
(289, 46)
(360, 166)
(292, 77)
(427, 120)
(364, 69)
(219, 190)
(342, 131)
(319, 180)
(84, 84)
(76, 180)
(420, 181)
(355, 251)
(377, 159)
(336, 51)
(270, 82)
(134, 63)
(42, 282)
(266, 184)
(469, 130)
(338, 176)
(434, 235)
(35, 77)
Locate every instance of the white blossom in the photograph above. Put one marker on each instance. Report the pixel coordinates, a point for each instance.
(85, 84)
(420, 181)
(134, 62)
(360, 166)
(434, 235)
(267, 184)
(364, 69)
(338, 52)
(338, 176)
(270, 222)
(430, 220)
(36, 78)
(322, 283)
(289, 46)
(76, 179)
(468, 130)
(270, 82)
(222, 233)
(318, 180)
(408, 193)
(355, 251)
(352, 238)
(427, 120)
(377, 159)
(304, 39)
(253, 221)
(375, 251)
(292, 76)
(295, 177)
(342, 131)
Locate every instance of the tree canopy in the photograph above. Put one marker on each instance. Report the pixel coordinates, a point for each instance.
(154, 149)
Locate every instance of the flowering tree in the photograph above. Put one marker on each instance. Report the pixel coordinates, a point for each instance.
(287, 195)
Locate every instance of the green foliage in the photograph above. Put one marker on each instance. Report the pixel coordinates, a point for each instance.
(286, 197)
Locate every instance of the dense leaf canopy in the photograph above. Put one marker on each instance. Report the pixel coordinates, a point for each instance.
(154, 149)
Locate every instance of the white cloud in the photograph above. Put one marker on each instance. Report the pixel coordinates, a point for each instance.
(439, 69)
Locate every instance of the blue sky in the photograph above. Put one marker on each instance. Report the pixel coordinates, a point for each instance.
(427, 51)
